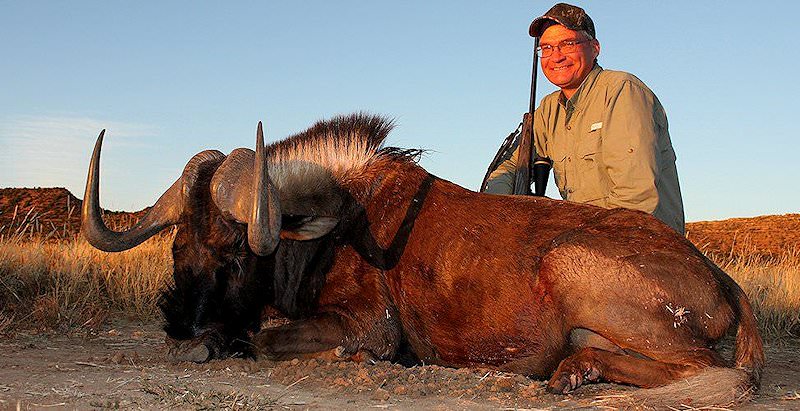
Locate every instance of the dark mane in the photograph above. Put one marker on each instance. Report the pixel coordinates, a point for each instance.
(412, 155)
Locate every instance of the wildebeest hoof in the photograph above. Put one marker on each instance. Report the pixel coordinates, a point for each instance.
(571, 375)
(366, 357)
(362, 356)
(190, 351)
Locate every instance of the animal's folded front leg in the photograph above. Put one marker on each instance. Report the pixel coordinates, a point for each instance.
(329, 336)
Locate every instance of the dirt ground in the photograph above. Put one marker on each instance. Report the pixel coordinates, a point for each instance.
(124, 366)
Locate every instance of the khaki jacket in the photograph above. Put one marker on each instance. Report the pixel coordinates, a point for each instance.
(610, 147)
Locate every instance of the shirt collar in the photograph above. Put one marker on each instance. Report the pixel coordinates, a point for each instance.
(583, 89)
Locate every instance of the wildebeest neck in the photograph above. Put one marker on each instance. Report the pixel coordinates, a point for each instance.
(375, 218)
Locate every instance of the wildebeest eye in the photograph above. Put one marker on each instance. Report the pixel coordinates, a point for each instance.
(291, 221)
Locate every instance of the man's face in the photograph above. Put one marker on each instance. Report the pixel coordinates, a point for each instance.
(567, 71)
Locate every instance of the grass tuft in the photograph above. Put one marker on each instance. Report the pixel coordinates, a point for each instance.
(69, 284)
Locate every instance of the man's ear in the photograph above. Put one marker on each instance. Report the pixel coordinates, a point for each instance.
(310, 228)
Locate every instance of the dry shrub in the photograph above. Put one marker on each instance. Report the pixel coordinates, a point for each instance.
(70, 284)
(773, 287)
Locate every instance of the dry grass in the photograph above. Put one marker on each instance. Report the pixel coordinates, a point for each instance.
(70, 284)
(773, 286)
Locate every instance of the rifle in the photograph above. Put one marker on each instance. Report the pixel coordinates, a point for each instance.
(522, 180)
(523, 171)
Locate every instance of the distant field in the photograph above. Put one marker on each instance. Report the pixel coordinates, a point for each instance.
(769, 235)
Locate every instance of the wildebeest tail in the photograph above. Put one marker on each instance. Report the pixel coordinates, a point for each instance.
(749, 351)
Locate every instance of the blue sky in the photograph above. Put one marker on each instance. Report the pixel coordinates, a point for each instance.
(169, 79)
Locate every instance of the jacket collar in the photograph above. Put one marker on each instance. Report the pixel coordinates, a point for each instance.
(574, 103)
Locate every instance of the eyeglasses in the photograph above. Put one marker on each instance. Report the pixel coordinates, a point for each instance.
(564, 47)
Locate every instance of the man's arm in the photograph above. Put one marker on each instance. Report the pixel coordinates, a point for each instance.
(501, 181)
(630, 148)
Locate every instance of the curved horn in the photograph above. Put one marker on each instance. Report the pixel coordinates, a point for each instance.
(165, 212)
(242, 190)
(264, 228)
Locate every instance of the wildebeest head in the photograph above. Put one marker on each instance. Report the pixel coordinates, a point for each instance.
(220, 282)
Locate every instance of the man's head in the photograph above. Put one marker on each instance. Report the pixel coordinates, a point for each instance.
(568, 48)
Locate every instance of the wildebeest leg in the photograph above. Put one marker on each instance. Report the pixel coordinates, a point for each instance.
(552, 347)
(301, 338)
(355, 313)
(637, 303)
(322, 337)
(592, 364)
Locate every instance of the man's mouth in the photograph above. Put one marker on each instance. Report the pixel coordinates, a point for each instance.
(560, 68)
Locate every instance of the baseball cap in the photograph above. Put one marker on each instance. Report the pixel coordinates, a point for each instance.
(567, 15)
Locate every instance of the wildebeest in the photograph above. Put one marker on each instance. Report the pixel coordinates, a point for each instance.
(529, 285)
(217, 297)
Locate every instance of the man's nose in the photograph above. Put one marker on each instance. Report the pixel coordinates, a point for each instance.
(557, 55)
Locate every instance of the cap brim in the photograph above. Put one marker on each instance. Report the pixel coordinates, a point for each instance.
(537, 26)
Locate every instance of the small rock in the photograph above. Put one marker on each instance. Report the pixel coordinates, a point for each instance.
(400, 390)
(531, 392)
(380, 394)
(363, 377)
(341, 381)
(118, 358)
(295, 361)
(503, 384)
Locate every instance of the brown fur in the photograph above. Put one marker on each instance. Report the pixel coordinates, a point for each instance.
(470, 287)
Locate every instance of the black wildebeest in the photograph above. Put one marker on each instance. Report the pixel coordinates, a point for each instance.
(581, 294)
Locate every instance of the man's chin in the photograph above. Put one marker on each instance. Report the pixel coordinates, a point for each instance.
(560, 83)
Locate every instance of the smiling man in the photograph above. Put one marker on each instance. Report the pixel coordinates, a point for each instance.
(604, 131)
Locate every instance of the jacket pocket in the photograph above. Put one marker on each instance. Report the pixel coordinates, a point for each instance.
(589, 145)
(591, 187)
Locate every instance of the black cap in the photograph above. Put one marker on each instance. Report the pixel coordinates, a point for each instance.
(567, 15)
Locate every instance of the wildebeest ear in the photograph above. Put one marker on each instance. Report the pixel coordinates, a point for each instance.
(309, 228)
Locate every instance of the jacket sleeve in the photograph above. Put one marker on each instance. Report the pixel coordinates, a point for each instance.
(501, 180)
(629, 148)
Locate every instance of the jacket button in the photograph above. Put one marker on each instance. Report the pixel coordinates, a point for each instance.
(630, 150)
(569, 190)
(569, 158)
(569, 127)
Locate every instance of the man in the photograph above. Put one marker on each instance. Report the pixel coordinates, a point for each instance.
(604, 131)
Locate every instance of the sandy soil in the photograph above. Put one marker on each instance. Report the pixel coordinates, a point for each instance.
(124, 366)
